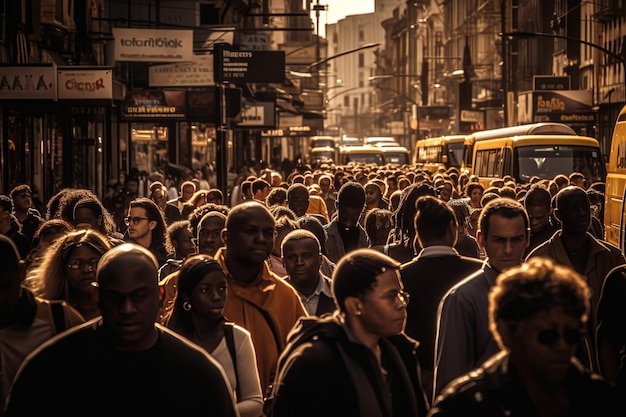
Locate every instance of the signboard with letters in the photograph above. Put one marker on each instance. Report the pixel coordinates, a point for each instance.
(28, 82)
(153, 45)
(260, 114)
(251, 66)
(195, 73)
(75, 83)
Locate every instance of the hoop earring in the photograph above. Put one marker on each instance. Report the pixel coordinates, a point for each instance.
(187, 306)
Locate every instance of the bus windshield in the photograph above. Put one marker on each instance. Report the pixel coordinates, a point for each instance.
(397, 158)
(365, 158)
(546, 162)
(455, 154)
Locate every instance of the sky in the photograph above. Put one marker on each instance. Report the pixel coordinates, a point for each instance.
(338, 9)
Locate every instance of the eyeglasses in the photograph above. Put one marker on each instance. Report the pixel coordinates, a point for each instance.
(81, 265)
(135, 220)
(549, 337)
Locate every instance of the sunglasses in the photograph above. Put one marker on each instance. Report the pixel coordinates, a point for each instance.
(549, 337)
(135, 220)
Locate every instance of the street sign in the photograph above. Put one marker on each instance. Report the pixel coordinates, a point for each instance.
(251, 66)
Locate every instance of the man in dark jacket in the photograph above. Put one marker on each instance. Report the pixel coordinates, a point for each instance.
(356, 362)
(10, 227)
(431, 274)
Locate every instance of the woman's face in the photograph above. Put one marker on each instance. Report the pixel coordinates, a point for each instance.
(475, 196)
(81, 269)
(208, 297)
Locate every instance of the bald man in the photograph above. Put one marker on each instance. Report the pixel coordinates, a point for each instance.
(120, 363)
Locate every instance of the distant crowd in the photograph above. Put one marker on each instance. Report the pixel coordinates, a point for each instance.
(353, 290)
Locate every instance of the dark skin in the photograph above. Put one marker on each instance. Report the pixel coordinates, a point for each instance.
(574, 213)
(249, 237)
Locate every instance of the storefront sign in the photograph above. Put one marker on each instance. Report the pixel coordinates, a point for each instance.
(84, 84)
(258, 115)
(153, 45)
(154, 104)
(27, 82)
(195, 73)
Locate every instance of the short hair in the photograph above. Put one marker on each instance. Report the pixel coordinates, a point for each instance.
(487, 197)
(315, 226)
(277, 195)
(185, 184)
(561, 180)
(123, 250)
(575, 176)
(214, 194)
(536, 286)
(537, 196)
(351, 194)
(374, 220)
(299, 234)
(295, 189)
(356, 272)
(278, 211)
(433, 218)
(259, 185)
(174, 231)
(504, 207)
(507, 192)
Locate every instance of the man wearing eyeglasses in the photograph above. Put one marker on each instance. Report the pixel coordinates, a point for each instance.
(537, 313)
(147, 228)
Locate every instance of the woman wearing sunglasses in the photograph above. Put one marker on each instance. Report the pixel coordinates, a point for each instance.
(68, 270)
(537, 314)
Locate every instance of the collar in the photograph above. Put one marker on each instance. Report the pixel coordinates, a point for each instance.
(437, 250)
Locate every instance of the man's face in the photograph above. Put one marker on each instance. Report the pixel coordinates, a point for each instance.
(506, 241)
(372, 194)
(250, 241)
(22, 201)
(324, 185)
(129, 303)
(299, 202)
(210, 235)
(539, 217)
(574, 211)
(348, 217)
(302, 260)
(184, 243)
(384, 308)
(188, 191)
(143, 226)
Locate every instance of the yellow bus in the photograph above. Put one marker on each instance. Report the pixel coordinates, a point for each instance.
(615, 187)
(441, 152)
(379, 155)
(543, 156)
(543, 128)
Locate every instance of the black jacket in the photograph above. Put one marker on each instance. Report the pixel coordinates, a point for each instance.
(325, 372)
(494, 390)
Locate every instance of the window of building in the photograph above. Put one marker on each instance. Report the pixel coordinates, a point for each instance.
(361, 60)
(346, 101)
(361, 35)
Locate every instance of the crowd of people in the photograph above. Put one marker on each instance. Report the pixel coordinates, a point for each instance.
(352, 290)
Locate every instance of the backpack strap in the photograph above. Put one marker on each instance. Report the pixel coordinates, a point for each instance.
(58, 317)
(230, 343)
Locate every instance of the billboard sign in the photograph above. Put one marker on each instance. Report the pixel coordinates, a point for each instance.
(153, 45)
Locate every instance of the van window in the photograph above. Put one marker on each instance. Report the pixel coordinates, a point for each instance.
(365, 158)
(399, 158)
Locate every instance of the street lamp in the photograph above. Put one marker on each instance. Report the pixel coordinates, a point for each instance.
(350, 51)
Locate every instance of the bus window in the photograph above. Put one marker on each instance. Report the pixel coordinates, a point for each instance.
(548, 161)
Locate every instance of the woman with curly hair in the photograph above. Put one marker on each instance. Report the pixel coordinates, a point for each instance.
(68, 270)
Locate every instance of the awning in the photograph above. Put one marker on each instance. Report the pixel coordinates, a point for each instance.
(286, 107)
